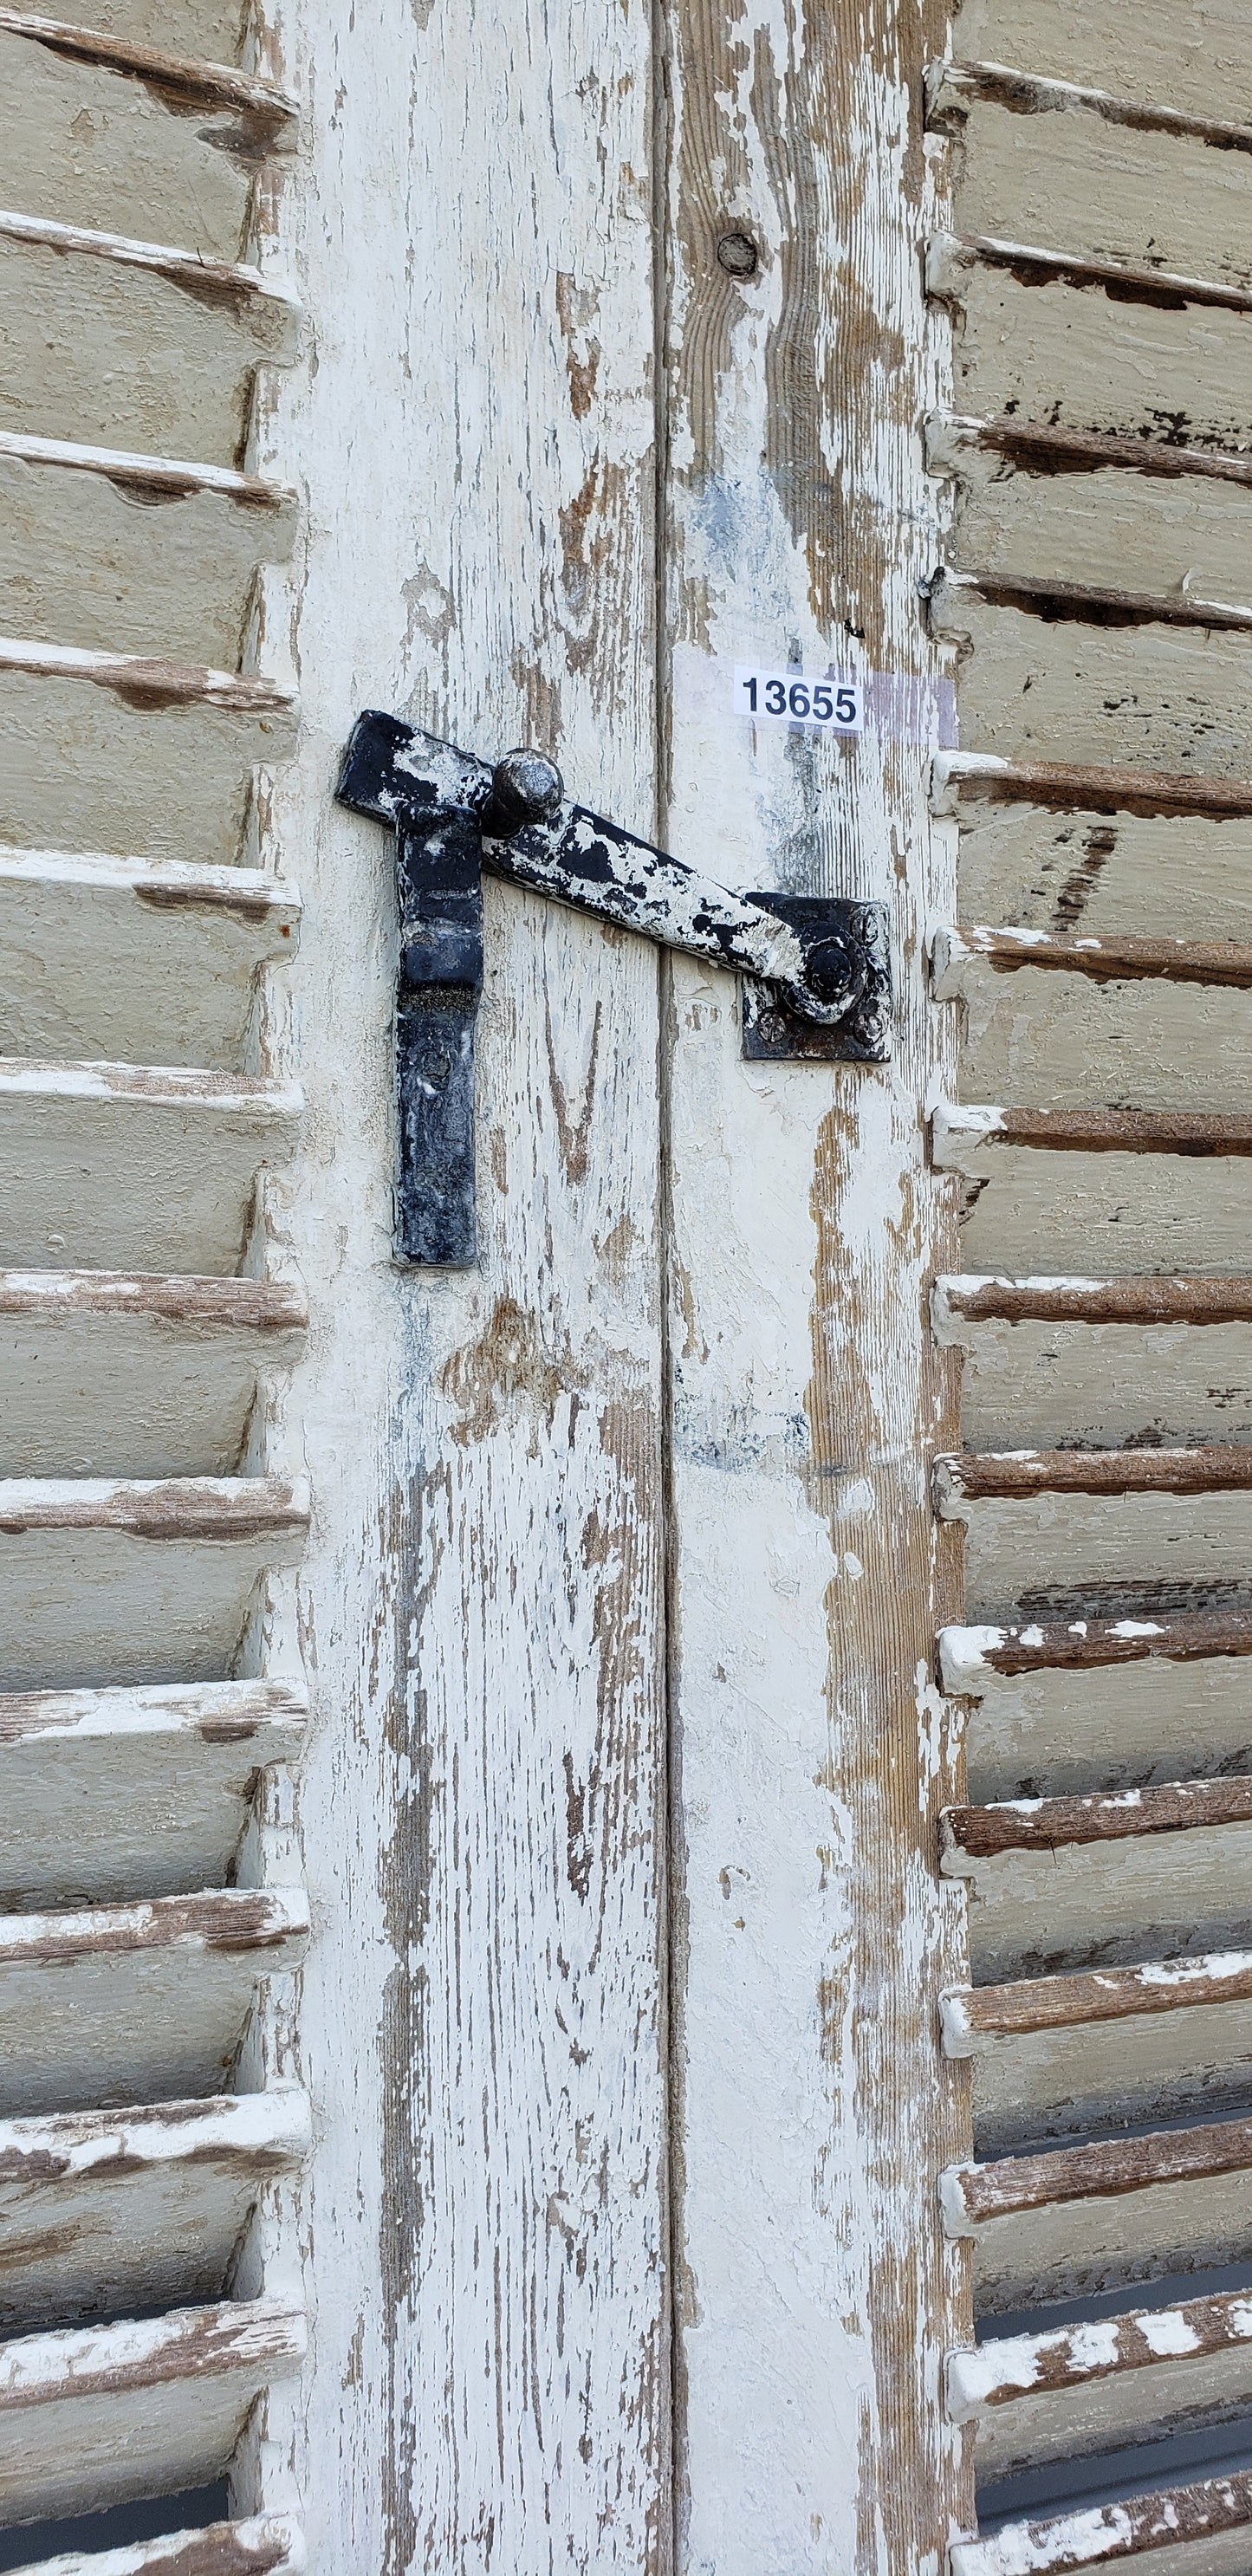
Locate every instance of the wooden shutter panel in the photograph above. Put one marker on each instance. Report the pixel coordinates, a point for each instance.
(1094, 600)
(153, 1507)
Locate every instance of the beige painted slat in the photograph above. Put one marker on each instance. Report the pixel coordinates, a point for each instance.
(132, 343)
(1122, 2379)
(1195, 61)
(1057, 1883)
(265, 2545)
(1075, 506)
(123, 1166)
(135, 960)
(96, 2415)
(1071, 2055)
(1104, 1383)
(1087, 181)
(1092, 357)
(1200, 2530)
(108, 1581)
(119, 553)
(1045, 1204)
(112, 1794)
(1084, 2220)
(101, 1374)
(1061, 680)
(103, 2212)
(1090, 851)
(131, 754)
(212, 30)
(1056, 1019)
(1096, 1547)
(1097, 1705)
(89, 146)
(137, 2003)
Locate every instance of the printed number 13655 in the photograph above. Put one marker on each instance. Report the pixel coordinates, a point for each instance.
(787, 697)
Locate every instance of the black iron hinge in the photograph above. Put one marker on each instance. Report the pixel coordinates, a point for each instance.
(817, 973)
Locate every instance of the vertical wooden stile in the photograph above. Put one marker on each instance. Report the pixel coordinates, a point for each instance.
(814, 2295)
(482, 1616)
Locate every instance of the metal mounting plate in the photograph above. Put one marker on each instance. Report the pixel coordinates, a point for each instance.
(773, 1034)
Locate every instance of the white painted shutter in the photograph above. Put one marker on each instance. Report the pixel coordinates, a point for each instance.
(494, 2075)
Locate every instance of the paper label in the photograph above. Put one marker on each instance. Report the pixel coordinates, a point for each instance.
(825, 703)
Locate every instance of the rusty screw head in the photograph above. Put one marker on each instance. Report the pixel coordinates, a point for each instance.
(526, 787)
(737, 253)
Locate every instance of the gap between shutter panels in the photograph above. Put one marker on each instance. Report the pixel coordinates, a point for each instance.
(151, 1696)
(1096, 595)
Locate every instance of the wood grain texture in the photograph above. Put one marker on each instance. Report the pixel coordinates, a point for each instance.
(1201, 2528)
(481, 2020)
(976, 2195)
(1046, 1824)
(812, 2290)
(269, 2544)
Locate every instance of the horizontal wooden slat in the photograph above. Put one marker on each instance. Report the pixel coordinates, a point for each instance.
(103, 2212)
(1010, 952)
(134, 2004)
(127, 1167)
(1049, 1824)
(94, 2416)
(231, 285)
(125, 1581)
(973, 1657)
(165, 478)
(1083, 2221)
(269, 1306)
(1016, 1473)
(1090, 2387)
(1083, 787)
(201, 84)
(951, 256)
(144, 682)
(115, 959)
(267, 2545)
(1073, 603)
(952, 88)
(1045, 447)
(976, 2195)
(958, 1131)
(974, 2015)
(110, 1795)
(1062, 1882)
(82, 564)
(207, 29)
(981, 1297)
(1202, 2527)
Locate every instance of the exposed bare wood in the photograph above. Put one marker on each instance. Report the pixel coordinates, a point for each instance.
(208, 85)
(1050, 1824)
(952, 88)
(1145, 1299)
(1009, 1474)
(960, 1131)
(975, 2195)
(1077, 603)
(1178, 961)
(265, 2545)
(251, 1919)
(1001, 2372)
(226, 1305)
(1079, 788)
(257, 1714)
(95, 2415)
(1049, 448)
(232, 286)
(190, 1507)
(971, 1655)
(1182, 2520)
(950, 257)
(144, 682)
(979, 2014)
(137, 473)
